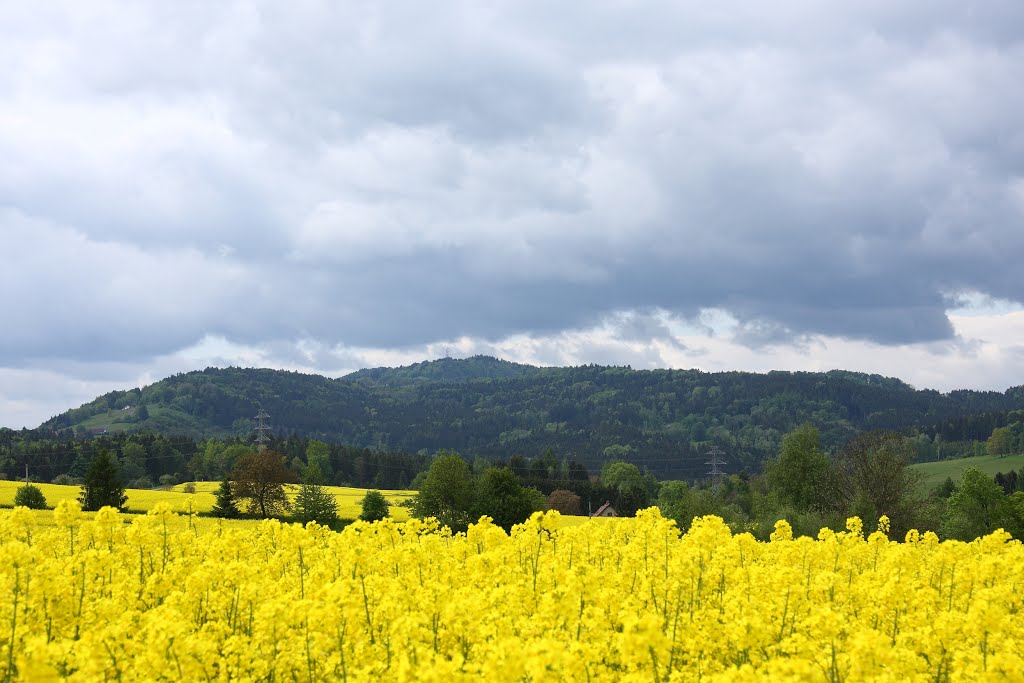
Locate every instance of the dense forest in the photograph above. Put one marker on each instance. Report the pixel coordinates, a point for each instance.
(663, 420)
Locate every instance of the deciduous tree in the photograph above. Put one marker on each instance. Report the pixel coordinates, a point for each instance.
(501, 496)
(976, 507)
(318, 453)
(628, 486)
(313, 503)
(259, 479)
(872, 478)
(446, 492)
(797, 474)
(681, 503)
(1000, 442)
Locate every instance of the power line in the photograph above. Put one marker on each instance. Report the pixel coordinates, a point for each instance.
(688, 461)
(687, 465)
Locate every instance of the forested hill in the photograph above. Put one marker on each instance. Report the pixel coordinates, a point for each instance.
(665, 419)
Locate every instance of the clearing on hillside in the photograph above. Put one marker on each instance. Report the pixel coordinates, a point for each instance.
(936, 472)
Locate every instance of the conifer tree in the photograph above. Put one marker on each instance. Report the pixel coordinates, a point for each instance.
(102, 484)
(225, 505)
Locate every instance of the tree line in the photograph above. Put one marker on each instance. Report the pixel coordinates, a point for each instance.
(149, 459)
(868, 477)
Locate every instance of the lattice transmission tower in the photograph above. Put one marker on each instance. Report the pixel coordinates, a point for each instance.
(261, 430)
(716, 472)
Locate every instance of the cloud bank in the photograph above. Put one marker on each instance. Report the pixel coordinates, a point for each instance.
(324, 185)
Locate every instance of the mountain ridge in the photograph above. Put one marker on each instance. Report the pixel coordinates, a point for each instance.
(445, 370)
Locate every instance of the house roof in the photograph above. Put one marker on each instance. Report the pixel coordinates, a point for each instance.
(601, 509)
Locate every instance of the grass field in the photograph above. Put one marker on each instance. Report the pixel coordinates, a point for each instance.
(141, 500)
(112, 421)
(936, 472)
(124, 420)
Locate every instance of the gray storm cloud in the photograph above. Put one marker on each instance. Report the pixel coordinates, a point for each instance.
(389, 176)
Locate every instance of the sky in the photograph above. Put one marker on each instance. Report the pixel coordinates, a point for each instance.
(325, 186)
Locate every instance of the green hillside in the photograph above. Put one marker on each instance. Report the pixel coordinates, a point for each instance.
(663, 419)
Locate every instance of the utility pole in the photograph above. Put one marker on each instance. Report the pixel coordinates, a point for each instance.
(716, 472)
(261, 431)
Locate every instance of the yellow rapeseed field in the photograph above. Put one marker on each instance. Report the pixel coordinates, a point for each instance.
(141, 500)
(156, 597)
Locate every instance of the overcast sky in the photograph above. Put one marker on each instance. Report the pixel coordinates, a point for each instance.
(326, 186)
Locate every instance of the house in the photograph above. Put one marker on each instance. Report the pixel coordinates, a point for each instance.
(605, 510)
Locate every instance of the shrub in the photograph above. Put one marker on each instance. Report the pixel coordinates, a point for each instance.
(313, 504)
(565, 501)
(168, 480)
(141, 483)
(66, 480)
(190, 487)
(30, 496)
(375, 507)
